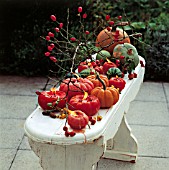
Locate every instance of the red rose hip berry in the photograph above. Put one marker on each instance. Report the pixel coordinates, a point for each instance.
(53, 18)
(72, 133)
(80, 9)
(65, 128)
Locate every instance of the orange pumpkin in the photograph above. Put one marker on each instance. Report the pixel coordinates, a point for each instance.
(109, 39)
(107, 97)
(96, 82)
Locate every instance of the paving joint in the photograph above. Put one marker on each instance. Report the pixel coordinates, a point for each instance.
(148, 125)
(148, 156)
(165, 93)
(16, 152)
(8, 94)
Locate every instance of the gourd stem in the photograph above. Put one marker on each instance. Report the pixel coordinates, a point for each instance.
(98, 77)
(108, 60)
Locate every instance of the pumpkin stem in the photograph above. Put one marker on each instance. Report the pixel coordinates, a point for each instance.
(77, 75)
(98, 77)
(69, 111)
(53, 89)
(85, 95)
(108, 60)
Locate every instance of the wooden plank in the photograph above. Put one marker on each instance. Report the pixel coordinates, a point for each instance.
(70, 157)
(123, 146)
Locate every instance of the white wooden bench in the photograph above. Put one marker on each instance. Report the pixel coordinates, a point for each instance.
(109, 138)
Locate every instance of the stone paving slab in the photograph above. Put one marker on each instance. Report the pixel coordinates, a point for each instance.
(25, 144)
(148, 113)
(143, 163)
(11, 133)
(17, 107)
(6, 158)
(13, 85)
(26, 160)
(151, 91)
(166, 90)
(153, 141)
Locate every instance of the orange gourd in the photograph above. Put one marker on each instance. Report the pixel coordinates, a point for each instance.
(109, 39)
(96, 82)
(108, 96)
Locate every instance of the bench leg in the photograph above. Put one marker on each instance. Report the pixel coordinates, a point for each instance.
(69, 157)
(123, 146)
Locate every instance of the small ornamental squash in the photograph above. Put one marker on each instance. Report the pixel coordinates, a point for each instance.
(103, 54)
(86, 72)
(77, 119)
(96, 82)
(108, 64)
(82, 66)
(108, 39)
(113, 72)
(75, 86)
(128, 56)
(54, 97)
(85, 65)
(89, 104)
(107, 96)
(117, 82)
(99, 69)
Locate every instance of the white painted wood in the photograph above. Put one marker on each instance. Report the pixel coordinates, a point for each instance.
(69, 157)
(49, 155)
(124, 145)
(110, 137)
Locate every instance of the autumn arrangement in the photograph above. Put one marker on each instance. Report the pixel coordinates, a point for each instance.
(95, 79)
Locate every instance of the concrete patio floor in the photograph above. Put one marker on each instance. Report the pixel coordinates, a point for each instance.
(148, 117)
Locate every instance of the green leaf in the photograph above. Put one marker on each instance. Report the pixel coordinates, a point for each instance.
(127, 27)
(138, 25)
(152, 25)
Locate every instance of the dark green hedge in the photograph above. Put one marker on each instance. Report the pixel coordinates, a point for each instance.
(23, 22)
(21, 25)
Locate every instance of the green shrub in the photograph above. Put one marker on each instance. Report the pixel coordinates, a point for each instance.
(157, 56)
(23, 54)
(148, 17)
(152, 20)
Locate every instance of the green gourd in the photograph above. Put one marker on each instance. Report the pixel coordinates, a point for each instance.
(86, 72)
(113, 72)
(128, 56)
(103, 54)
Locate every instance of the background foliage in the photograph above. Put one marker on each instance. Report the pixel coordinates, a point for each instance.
(22, 50)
